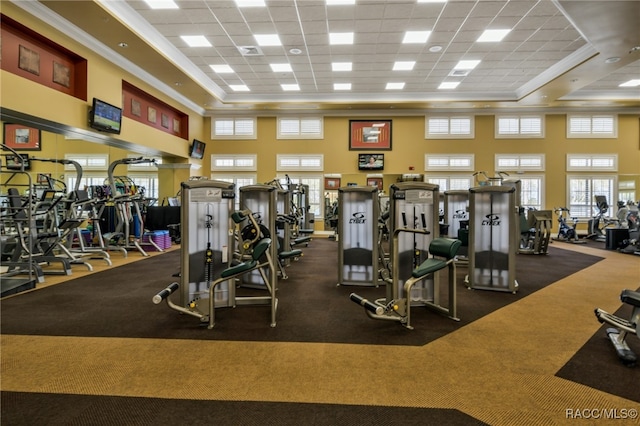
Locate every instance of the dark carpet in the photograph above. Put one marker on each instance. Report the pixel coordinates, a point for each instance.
(597, 365)
(312, 308)
(61, 409)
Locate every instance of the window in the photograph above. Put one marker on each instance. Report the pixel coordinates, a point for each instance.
(233, 128)
(518, 162)
(449, 162)
(582, 191)
(239, 180)
(444, 127)
(531, 192)
(519, 126)
(592, 162)
(450, 183)
(300, 128)
(88, 161)
(627, 191)
(314, 182)
(147, 183)
(234, 162)
(592, 126)
(300, 162)
(88, 179)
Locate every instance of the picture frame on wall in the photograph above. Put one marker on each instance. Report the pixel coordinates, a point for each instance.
(377, 182)
(61, 74)
(370, 135)
(331, 183)
(29, 60)
(151, 115)
(21, 138)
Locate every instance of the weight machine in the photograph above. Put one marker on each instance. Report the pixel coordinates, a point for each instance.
(358, 230)
(210, 266)
(492, 238)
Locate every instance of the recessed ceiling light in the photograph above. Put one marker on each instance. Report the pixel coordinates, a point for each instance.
(435, 49)
(221, 69)
(341, 86)
(177, 83)
(466, 65)
(268, 39)
(416, 37)
(281, 67)
(630, 83)
(341, 66)
(340, 2)
(492, 35)
(403, 65)
(239, 87)
(123, 45)
(196, 41)
(448, 85)
(295, 51)
(394, 86)
(290, 87)
(611, 60)
(340, 38)
(161, 4)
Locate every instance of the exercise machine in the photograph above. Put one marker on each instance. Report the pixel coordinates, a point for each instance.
(566, 232)
(413, 205)
(621, 327)
(398, 306)
(262, 200)
(358, 230)
(535, 231)
(211, 266)
(493, 240)
(598, 223)
(456, 216)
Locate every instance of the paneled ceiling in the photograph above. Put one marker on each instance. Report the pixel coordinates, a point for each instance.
(558, 53)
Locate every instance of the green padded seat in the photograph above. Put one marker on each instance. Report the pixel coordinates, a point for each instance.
(257, 253)
(428, 266)
(441, 247)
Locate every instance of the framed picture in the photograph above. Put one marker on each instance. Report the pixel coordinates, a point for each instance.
(29, 60)
(21, 138)
(370, 135)
(136, 108)
(151, 115)
(164, 121)
(331, 183)
(61, 74)
(377, 182)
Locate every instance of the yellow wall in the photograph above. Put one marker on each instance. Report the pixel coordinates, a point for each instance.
(408, 142)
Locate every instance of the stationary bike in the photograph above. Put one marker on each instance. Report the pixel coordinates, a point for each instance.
(566, 233)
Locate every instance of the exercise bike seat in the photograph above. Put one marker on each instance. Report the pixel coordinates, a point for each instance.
(631, 297)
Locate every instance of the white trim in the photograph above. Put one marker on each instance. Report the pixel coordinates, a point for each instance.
(588, 123)
(430, 133)
(449, 162)
(592, 162)
(301, 133)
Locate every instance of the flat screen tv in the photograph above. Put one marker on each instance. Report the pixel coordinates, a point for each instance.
(370, 161)
(197, 149)
(14, 163)
(105, 117)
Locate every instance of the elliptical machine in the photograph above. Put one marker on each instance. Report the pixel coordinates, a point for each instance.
(566, 233)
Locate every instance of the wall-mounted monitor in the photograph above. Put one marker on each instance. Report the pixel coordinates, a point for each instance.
(14, 163)
(105, 117)
(370, 161)
(197, 149)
